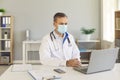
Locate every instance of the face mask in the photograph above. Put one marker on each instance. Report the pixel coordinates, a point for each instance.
(62, 28)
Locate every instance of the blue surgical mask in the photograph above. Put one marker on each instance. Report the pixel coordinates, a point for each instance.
(62, 28)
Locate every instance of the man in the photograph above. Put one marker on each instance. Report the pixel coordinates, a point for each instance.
(58, 48)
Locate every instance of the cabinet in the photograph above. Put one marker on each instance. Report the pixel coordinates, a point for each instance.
(28, 47)
(86, 47)
(6, 39)
(117, 32)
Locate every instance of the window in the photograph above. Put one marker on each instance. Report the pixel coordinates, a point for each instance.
(108, 28)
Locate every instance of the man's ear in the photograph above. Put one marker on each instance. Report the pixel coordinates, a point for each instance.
(55, 26)
(54, 23)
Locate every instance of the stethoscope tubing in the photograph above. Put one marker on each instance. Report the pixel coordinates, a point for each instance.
(66, 36)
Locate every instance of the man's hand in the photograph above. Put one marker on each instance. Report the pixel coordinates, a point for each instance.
(73, 63)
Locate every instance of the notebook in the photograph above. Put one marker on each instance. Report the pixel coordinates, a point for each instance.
(43, 75)
(21, 67)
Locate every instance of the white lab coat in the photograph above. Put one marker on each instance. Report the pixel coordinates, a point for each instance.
(55, 52)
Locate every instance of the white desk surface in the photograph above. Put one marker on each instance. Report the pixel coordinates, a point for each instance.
(70, 74)
(31, 41)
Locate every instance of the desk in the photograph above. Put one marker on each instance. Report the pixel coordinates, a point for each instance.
(25, 43)
(70, 74)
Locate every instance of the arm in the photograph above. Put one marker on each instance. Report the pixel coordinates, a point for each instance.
(76, 52)
(75, 61)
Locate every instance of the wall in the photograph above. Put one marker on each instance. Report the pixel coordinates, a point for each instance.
(37, 15)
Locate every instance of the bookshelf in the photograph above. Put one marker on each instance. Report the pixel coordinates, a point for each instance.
(6, 39)
(117, 32)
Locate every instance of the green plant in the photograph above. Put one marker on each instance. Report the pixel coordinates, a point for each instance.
(87, 31)
(2, 10)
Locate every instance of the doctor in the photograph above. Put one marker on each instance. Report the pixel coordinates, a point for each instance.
(58, 48)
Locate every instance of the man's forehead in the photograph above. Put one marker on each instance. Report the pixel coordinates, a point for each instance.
(62, 19)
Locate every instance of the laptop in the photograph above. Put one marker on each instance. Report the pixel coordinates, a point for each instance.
(100, 60)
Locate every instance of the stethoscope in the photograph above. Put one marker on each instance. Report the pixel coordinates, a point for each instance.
(66, 37)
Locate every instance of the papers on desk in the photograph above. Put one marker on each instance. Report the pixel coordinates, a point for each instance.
(21, 67)
(43, 75)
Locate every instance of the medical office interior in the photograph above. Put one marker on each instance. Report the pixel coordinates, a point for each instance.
(24, 23)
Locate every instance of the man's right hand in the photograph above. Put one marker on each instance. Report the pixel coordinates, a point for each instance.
(73, 63)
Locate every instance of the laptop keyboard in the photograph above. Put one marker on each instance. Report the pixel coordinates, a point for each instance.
(81, 68)
(84, 70)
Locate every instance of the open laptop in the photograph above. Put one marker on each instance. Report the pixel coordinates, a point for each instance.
(100, 60)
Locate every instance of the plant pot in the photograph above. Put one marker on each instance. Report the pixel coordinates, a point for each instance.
(85, 37)
(1, 13)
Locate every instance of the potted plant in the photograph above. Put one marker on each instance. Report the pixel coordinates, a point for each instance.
(2, 11)
(86, 33)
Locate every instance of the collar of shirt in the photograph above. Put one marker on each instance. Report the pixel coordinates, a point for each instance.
(57, 36)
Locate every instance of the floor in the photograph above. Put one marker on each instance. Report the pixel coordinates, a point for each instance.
(3, 68)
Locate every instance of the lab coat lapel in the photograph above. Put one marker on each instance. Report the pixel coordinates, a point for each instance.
(66, 50)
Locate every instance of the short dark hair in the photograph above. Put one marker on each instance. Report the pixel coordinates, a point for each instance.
(59, 15)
